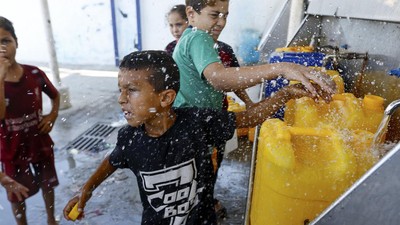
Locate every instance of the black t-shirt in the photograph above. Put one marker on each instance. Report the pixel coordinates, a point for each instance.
(174, 171)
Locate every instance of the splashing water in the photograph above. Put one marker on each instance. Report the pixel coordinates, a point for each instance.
(380, 134)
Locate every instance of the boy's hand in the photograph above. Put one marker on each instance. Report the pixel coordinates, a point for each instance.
(81, 201)
(305, 75)
(14, 187)
(70, 205)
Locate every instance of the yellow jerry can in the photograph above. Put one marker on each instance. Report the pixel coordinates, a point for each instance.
(307, 161)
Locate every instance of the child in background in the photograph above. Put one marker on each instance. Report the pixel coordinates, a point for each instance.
(203, 77)
(25, 144)
(177, 22)
(169, 149)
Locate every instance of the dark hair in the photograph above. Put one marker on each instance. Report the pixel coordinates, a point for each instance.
(198, 5)
(164, 73)
(180, 9)
(8, 26)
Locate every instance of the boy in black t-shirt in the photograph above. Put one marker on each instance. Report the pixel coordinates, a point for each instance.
(168, 149)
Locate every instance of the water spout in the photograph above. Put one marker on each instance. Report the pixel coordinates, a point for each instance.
(391, 108)
(380, 134)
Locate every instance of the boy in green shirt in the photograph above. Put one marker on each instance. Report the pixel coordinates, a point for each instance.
(204, 78)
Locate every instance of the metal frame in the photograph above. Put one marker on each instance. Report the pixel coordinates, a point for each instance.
(253, 165)
(371, 200)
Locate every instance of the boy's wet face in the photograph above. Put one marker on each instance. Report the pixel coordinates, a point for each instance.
(211, 19)
(138, 100)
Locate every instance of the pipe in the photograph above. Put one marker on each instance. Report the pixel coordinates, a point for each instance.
(138, 46)
(390, 109)
(251, 177)
(64, 93)
(360, 78)
(253, 164)
(50, 43)
(115, 35)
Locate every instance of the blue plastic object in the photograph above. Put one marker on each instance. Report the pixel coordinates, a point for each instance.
(302, 58)
(248, 44)
(395, 72)
(272, 86)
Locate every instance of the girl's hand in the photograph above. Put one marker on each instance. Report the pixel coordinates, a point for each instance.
(46, 124)
(13, 187)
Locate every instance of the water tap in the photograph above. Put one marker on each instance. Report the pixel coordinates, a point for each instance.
(391, 108)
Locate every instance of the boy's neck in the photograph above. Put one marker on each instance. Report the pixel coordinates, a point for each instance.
(159, 126)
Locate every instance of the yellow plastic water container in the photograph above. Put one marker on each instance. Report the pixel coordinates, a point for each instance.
(308, 111)
(337, 79)
(295, 49)
(305, 162)
(251, 134)
(234, 106)
(344, 112)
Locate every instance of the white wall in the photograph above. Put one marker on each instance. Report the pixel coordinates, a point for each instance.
(243, 14)
(29, 28)
(83, 29)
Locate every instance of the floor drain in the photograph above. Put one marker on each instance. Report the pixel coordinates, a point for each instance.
(93, 139)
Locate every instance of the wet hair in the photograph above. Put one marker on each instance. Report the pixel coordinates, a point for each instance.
(163, 71)
(180, 9)
(198, 5)
(8, 26)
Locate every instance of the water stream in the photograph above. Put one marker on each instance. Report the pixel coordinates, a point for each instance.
(379, 137)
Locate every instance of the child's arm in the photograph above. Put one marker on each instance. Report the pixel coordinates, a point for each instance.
(231, 79)
(261, 111)
(102, 172)
(47, 123)
(4, 65)
(242, 94)
(13, 187)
